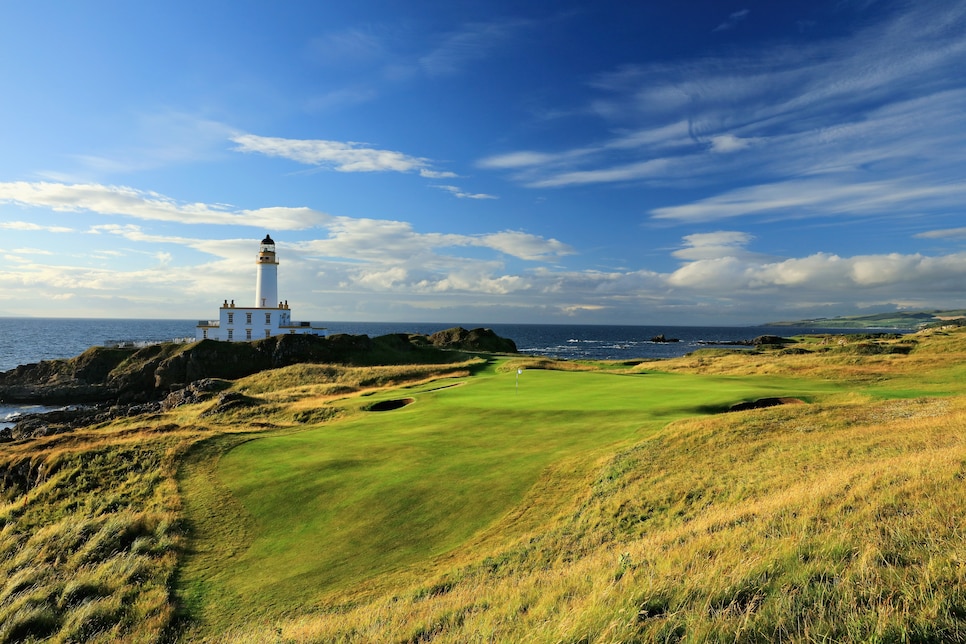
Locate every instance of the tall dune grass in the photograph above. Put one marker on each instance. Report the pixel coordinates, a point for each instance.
(89, 535)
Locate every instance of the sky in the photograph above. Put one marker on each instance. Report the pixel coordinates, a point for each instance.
(702, 162)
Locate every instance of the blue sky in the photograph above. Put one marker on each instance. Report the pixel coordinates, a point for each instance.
(694, 162)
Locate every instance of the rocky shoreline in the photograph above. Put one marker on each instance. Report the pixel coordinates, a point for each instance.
(104, 383)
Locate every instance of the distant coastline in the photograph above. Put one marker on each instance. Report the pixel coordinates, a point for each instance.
(900, 320)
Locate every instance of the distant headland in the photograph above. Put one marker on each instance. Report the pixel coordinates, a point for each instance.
(911, 320)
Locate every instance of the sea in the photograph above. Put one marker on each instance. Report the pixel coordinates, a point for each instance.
(30, 340)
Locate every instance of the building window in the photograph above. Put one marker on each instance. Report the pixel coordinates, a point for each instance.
(248, 334)
(268, 333)
(230, 333)
(231, 318)
(268, 318)
(248, 318)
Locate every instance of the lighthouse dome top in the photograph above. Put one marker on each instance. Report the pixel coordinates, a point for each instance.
(268, 240)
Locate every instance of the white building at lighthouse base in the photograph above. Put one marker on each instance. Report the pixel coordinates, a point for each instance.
(241, 324)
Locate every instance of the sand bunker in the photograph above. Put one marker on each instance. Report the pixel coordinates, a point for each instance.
(762, 403)
(389, 405)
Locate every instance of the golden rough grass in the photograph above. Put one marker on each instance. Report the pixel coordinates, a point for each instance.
(842, 523)
(89, 537)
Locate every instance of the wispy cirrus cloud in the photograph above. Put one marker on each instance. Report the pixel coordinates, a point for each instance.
(880, 108)
(347, 47)
(819, 195)
(474, 41)
(733, 20)
(945, 233)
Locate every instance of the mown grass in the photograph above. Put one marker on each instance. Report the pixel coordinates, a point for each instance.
(609, 502)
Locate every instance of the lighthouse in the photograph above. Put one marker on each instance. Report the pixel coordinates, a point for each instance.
(269, 317)
(266, 279)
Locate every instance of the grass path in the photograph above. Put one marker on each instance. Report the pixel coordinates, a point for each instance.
(330, 509)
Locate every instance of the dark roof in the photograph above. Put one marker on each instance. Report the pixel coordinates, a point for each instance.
(268, 240)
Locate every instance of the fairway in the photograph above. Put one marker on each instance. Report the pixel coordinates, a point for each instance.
(331, 507)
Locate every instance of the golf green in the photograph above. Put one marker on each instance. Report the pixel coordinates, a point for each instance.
(338, 504)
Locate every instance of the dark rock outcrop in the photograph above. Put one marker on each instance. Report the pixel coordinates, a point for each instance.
(770, 340)
(196, 392)
(660, 338)
(473, 340)
(58, 421)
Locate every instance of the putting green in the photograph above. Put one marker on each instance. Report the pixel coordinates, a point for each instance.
(333, 506)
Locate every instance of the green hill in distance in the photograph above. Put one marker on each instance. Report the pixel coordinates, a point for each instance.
(906, 320)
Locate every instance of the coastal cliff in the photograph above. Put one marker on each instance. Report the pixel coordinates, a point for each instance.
(131, 375)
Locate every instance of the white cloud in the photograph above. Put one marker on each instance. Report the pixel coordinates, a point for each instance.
(723, 243)
(130, 202)
(380, 241)
(725, 143)
(459, 193)
(944, 233)
(524, 245)
(341, 156)
(627, 172)
(816, 196)
(437, 174)
(829, 277)
(521, 159)
(25, 225)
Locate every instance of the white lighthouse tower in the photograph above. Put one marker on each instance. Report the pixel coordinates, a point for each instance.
(266, 280)
(270, 316)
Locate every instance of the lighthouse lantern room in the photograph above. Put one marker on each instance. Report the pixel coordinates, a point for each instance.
(270, 316)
